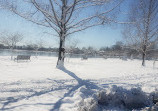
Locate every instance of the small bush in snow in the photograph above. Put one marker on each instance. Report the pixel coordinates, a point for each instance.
(89, 104)
(123, 98)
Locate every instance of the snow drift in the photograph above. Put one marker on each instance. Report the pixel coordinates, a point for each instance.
(119, 98)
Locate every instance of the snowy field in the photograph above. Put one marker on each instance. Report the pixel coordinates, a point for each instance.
(37, 85)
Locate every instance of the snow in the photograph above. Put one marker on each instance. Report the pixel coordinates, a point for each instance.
(37, 85)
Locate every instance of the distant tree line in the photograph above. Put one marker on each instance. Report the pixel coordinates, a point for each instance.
(29, 47)
(119, 49)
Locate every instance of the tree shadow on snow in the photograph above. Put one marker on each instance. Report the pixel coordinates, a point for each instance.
(6, 101)
(89, 85)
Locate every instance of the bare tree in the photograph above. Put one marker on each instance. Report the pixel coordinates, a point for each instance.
(71, 45)
(89, 51)
(143, 34)
(11, 40)
(65, 17)
(37, 45)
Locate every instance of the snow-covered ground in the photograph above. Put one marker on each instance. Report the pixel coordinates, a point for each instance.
(37, 85)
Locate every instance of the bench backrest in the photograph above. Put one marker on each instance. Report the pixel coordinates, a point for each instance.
(23, 57)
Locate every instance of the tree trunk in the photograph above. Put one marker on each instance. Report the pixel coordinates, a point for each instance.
(62, 34)
(143, 59)
(11, 53)
(61, 55)
(144, 55)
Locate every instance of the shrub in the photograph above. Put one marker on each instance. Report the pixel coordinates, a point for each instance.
(118, 98)
(134, 98)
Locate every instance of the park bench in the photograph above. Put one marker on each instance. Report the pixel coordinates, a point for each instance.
(22, 57)
(84, 57)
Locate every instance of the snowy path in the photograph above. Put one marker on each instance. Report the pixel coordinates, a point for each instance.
(39, 86)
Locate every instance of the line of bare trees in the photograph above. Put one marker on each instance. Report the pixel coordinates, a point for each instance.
(65, 17)
(142, 35)
(10, 40)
